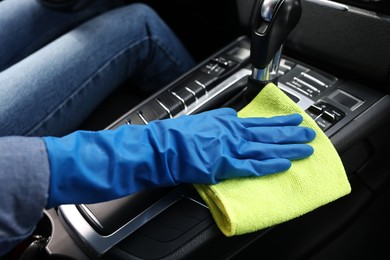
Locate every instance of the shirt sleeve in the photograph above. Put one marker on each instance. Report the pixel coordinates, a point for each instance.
(24, 184)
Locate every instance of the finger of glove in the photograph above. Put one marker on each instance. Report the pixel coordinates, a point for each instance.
(285, 120)
(280, 134)
(260, 151)
(253, 168)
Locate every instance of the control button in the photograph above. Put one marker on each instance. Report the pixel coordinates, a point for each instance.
(288, 63)
(170, 102)
(338, 114)
(162, 112)
(217, 71)
(306, 84)
(196, 88)
(312, 82)
(329, 117)
(213, 68)
(209, 67)
(224, 62)
(298, 87)
(323, 105)
(323, 124)
(206, 81)
(135, 119)
(285, 66)
(319, 80)
(282, 70)
(325, 115)
(183, 94)
(312, 115)
(152, 111)
(315, 109)
(310, 91)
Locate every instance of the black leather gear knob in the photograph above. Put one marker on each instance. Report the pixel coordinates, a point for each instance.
(273, 20)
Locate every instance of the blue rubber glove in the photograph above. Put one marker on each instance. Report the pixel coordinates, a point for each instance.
(89, 167)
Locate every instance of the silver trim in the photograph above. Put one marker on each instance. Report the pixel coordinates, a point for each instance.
(306, 84)
(285, 66)
(329, 4)
(314, 79)
(200, 84)
(192, 92)
(304, 102)
(164, 107)
(91, 215)
(142, 118)
(99, 244)
(197, 202)
(179, 98)
(270, 72)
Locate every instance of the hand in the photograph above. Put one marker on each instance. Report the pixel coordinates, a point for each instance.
(216, 145)
(209, 147)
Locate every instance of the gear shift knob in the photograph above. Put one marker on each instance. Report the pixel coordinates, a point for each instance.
(273, 20)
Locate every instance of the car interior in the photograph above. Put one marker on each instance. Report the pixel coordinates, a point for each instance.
(331, 57)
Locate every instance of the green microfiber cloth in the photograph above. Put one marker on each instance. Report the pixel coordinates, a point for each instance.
(245, 205)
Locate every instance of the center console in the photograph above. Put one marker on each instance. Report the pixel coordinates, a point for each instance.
(175, 222)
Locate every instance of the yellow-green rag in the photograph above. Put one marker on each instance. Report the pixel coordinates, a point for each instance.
(245, 205)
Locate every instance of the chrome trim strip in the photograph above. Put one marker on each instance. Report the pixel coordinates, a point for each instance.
(142, 118)
(200, 84)
(329, 4)
(197, 202)
(296, 88)
(306, 84)
(314, 79)
(164, 107)
(304, 102)
(192, 92)
(179, 98)
(99, 244)
(285, 66)
(92, 216)
(270, 72)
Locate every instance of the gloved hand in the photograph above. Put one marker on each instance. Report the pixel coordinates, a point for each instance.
(88, 167)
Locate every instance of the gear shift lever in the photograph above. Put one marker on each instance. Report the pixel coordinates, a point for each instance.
(273, 20)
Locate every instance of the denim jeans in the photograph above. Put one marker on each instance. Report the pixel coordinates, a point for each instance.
(57, 67)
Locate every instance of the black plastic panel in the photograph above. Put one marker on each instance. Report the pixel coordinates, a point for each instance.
(108, 217)
(342, 42)
(381, 6)
(167, 233)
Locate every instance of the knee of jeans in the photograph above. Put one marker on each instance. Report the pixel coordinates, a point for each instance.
(144, 9)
